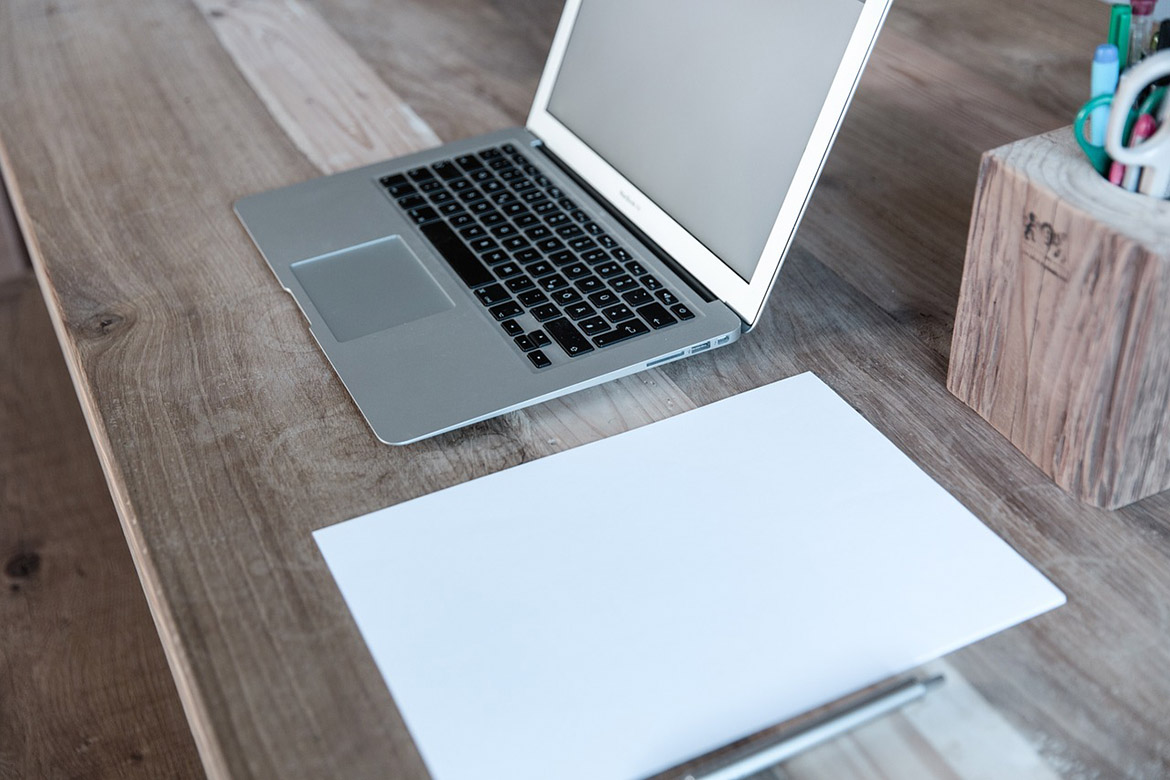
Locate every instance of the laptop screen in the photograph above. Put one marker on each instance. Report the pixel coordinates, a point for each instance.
(706, 107)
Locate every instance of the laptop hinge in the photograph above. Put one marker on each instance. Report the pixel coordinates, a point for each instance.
(669, 261)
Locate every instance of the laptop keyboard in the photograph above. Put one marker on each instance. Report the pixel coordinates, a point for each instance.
(524, 247)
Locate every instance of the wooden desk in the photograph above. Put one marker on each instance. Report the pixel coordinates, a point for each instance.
(129, 128)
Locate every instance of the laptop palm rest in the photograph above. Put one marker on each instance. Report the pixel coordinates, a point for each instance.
(370, 287)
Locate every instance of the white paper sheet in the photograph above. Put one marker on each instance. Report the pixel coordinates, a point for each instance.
(612, 610)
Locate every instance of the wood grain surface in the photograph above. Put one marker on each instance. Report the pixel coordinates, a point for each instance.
(13, 257)
(1061, 334)
(84, 687)
(129, 129)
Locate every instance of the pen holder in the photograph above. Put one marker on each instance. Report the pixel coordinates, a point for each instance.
(1062, 333)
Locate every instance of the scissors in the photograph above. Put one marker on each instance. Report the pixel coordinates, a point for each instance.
(1153, 154)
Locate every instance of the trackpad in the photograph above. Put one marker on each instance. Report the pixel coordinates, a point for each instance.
(371, 287)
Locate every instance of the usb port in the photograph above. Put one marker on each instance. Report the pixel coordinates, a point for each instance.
(701, 347)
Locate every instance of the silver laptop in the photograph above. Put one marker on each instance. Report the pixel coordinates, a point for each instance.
(639, 217)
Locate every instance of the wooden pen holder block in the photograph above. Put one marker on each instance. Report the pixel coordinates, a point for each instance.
(1062, 334)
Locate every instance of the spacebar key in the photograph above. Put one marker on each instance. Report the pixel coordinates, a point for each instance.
(568, 337)
(470, 269)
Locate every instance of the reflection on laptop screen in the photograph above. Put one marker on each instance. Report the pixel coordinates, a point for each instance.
(704, 106)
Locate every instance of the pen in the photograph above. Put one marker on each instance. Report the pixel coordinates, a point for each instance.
(825, 728)
(1131, 175)
(1105, 74)
(1119, 21)
(1141, 29)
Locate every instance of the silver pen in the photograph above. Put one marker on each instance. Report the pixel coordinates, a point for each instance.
(832, 724)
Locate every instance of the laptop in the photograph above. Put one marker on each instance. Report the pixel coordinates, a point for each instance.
(639, 217)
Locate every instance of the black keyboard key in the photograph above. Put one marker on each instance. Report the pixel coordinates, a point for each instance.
(682, 312)
(623, 283)
(567, 204)
(539, 359)
(483, 244)
(635, 268)
(570, 231)
(651, 283)
(470, 196)
(546, 312)
(590, 284)
(510, 148)
(482, 207)
(532, 197)
(515, 209)
(488, 154)
(468, 162)
(580, 215)
(608, 269)
(581, 244)
(639, 297)
(446, 170)
(520, 283)
(492, 294)
(515, 243)
(442, 196)
(506, 311)
(494, 256)
(430, 185)
(524, 343)
(506, 171)
(550, 245)
(545, 207)
(667, 297)
(504, 231)
(507, 269)
(566, 296)
(579, 311)
(401, 190)
(420, 174)
(621, 254)
(656, 316)
(593, 229)
(393, 180)
(539, 338)
(627, 330)
(470, 270)
(607, 241)
(532, 298)
(483, 175)
(505, 198)
(559, 218)
(460, 184)
(593, 326)
(423, 215)
(473, 231)
(537, 233)
(527, 256)
(493, 218)
(553, 283)
(594, 256)
(543, 268)
(512, 328)
(451, 209)
(570, 339)
(521, 184)
(524, 220)
(575, 271)
(603, 299)
(618, 313)
(495, 185)
(563, 258)
(462, 219)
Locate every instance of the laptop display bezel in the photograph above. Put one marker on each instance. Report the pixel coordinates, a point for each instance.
(746, 298)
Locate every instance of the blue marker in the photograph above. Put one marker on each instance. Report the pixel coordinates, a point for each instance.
(1106, 72)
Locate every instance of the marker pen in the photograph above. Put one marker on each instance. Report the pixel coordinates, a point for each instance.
(1106, 71)
(1141, 29)
(1142, 129)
